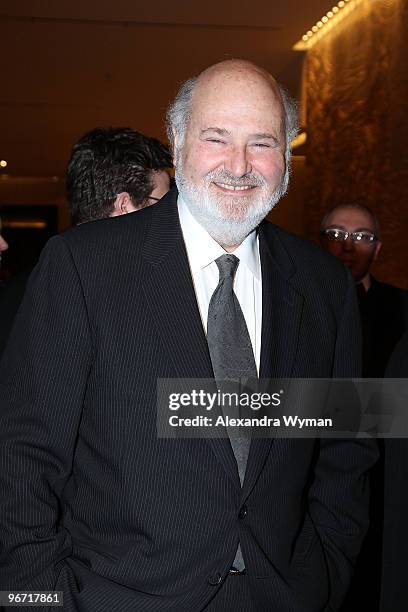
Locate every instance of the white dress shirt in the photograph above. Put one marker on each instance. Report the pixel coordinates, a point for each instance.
(202, 251)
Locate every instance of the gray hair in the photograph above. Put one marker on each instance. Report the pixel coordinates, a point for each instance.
(179, 114)
(290, 108)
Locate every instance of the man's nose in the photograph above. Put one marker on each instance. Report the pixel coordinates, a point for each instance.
(348, 245)
(238, 162)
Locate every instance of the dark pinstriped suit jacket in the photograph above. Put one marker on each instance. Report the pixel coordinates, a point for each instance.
(94, 504)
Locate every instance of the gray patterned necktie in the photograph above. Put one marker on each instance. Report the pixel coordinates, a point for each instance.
(230, 349)
(228, 339)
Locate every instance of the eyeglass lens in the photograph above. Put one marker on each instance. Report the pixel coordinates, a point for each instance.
(340, 235)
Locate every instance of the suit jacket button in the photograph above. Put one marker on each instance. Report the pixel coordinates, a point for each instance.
(242, 513)
(215, 580)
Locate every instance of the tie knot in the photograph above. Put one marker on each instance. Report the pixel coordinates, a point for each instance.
(227, 265)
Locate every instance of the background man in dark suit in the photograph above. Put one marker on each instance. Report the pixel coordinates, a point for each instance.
(95, 503)
(351, 232)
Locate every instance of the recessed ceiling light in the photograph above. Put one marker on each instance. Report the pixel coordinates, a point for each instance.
(3, 163)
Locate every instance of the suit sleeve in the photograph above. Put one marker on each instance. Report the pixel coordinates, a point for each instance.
(43, 376)
(338, 498)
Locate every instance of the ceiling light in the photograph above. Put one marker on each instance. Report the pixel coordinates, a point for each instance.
(3, 163)
(326, 23)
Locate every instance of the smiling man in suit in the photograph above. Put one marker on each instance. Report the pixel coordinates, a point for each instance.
(95, 503)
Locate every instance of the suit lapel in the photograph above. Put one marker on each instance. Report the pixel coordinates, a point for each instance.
(170, 295)
(281, 307)
(281, 319)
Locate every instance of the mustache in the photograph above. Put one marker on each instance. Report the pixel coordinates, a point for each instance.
(223, 176)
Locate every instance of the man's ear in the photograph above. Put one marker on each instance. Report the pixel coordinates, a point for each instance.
(377, 249)
(122, 205)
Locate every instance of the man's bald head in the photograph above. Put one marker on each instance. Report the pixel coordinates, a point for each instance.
(180, 111)
(237, 68)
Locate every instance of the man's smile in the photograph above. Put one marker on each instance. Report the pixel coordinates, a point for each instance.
(234, 188)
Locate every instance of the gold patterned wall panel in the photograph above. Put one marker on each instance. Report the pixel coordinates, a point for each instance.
(356, 95)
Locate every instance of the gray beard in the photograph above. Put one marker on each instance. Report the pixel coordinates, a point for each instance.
(227, 219)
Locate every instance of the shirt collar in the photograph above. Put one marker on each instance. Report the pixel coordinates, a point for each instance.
(202, 249)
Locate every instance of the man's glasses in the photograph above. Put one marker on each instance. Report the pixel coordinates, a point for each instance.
(339, 235)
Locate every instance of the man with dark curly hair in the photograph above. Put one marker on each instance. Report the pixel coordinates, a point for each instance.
(113, 171)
